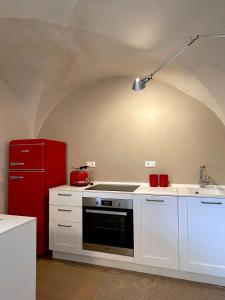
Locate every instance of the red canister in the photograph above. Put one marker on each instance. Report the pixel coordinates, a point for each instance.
(163, 180)
(153, 180)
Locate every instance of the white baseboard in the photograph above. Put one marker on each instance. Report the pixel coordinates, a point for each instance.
(131, 266)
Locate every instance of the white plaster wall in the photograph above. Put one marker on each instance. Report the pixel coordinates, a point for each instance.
(119, 129)
(51, 48)
(12, 126)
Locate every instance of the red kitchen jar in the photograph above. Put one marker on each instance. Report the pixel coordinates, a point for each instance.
(163, 180)
(153, 180)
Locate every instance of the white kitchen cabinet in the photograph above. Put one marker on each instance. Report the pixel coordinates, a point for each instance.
(65, 221)
(17, 258)
(202, 235)
(65, 197)
(156, 231)
(65, 237)
(65, 213)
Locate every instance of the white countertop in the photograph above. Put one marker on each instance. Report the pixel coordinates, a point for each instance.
(186, 190)
(9, 222)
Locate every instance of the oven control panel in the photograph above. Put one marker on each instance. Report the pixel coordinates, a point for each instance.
(105, 202)
(110, 203)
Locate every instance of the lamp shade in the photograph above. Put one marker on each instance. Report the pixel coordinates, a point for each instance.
(138, 84)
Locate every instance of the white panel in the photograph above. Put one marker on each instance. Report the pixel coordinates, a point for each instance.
(65, 213)
(18, 263)
(65, 237)
(111, 195)
(202, 232)
(156, 241)
(65, 197)
(108, 256)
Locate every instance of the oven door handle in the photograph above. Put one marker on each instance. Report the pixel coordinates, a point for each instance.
(105, 212)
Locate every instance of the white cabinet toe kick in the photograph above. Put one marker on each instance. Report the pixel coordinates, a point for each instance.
(180, 237)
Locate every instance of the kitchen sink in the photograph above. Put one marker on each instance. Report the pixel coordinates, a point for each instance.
(207, 191)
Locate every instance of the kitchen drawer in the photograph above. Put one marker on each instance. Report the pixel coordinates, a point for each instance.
(64, 197)
(65, 237)
(157, 199)
(65, 213)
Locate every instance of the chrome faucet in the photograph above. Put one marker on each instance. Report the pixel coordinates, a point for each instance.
(204, 179)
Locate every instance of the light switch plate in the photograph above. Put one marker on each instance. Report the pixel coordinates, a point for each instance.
(150, 164)
(91, 164)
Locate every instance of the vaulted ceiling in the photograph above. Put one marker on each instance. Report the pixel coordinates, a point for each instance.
(49, 48)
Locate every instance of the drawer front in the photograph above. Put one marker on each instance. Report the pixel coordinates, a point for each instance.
(158, 200)
(67, 198)
(65, 237)
(65, 213)
(202, 201)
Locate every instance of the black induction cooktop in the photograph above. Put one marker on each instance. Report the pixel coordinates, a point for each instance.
(113, 187)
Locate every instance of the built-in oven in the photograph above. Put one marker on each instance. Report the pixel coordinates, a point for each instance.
(108, 225)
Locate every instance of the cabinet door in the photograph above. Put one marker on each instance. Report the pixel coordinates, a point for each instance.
(27, 157)
(156, 231)
(27, 197)
(65, 237)
(202, 235)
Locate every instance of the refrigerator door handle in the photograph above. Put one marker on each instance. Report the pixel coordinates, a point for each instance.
(16, 163)
(16, 177)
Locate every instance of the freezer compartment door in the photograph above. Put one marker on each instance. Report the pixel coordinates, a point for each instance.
(27, 156)
(27, 196)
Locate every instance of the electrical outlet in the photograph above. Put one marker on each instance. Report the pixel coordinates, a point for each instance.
(91, 164)
(150, 164)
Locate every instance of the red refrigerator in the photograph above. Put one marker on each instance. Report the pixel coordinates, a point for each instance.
(35, 165)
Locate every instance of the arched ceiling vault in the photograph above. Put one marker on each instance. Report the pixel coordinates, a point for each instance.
(49, 48)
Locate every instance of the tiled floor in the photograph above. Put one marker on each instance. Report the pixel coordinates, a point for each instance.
(58, 280)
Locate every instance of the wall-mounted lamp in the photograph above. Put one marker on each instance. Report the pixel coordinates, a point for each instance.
(140, 83)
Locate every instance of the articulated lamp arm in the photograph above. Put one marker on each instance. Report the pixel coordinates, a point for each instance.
(140, 84)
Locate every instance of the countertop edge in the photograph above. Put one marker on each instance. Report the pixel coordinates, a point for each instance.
(182, 190)
(29, 220)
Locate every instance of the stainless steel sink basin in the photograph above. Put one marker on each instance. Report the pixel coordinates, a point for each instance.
(207, 191)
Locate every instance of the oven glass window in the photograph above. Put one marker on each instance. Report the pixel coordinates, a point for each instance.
(108, 227)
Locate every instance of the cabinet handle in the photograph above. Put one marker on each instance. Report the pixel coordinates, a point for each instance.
(16, 177)
(105, 212)
(60, 225)
(60, 194)
(68, 210)
(15, 163)
(207, 202)
(154, 200)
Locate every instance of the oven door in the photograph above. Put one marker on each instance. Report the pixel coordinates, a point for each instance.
(108, 230)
